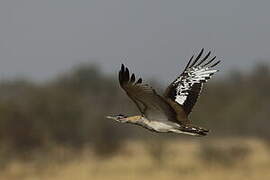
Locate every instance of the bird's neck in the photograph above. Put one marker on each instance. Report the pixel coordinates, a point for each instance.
(134, 119)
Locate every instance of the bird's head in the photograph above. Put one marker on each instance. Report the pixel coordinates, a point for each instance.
(119, 118)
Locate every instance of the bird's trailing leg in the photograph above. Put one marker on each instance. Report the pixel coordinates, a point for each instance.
(191, 130)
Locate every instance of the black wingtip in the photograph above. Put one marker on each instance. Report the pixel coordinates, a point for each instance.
(187, 66)
(197, 58)
(200, 54)
(207, 55)
(121, 74)
(139, 81)
(127, 71)
(215, 64)
(122, 67)
(202, 62)
(211, 60)
(132, 79)
(126, 75)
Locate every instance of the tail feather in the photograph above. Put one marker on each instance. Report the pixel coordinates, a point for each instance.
(193, 130)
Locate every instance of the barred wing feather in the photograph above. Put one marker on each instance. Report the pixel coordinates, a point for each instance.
(186, 89)
(145, 97)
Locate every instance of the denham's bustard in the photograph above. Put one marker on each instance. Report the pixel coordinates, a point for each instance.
(168, 113)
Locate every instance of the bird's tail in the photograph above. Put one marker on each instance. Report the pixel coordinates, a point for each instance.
(193, 130)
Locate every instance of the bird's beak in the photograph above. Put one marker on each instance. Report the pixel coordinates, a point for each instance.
(110, 117)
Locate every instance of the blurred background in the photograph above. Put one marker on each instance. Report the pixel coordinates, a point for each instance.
(59, 61)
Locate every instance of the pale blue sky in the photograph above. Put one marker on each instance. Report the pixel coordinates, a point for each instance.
(155, 38)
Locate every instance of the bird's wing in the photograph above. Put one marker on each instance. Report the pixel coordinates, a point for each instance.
(185, 90)
(150, 104)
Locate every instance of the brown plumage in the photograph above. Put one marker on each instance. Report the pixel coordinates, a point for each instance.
(169, 113)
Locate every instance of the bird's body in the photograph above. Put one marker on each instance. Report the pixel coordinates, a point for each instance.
(165, 127)
(154, 125)
(168, 113)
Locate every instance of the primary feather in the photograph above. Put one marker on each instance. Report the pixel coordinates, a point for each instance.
(186, 89)
(169, 113)
(150, 104)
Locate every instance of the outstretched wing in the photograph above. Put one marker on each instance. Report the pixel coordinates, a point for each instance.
(185, 90)
(145, 97)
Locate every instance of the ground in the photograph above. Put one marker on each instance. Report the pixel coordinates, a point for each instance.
(228, 159)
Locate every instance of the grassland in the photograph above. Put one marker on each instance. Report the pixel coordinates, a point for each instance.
(220, 159)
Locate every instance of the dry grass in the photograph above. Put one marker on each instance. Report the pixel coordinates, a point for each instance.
(181, 160)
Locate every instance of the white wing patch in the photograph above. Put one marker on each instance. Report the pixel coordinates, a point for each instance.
(186, 89)
(191, 76)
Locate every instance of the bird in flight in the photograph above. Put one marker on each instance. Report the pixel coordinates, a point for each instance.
(169, 112)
